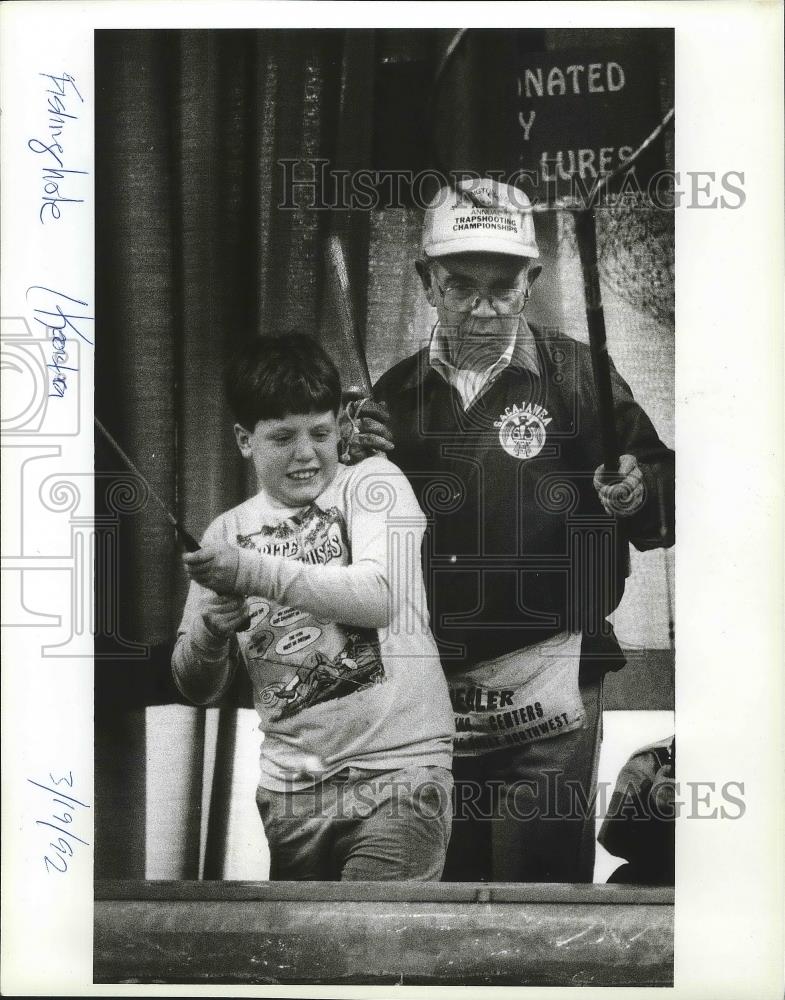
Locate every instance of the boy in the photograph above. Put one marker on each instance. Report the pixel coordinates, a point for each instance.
(316, 583)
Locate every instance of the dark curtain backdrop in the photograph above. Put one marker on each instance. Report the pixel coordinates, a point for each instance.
(193, 255)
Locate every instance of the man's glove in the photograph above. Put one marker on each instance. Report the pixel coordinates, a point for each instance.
(363, 428)
(622, 494)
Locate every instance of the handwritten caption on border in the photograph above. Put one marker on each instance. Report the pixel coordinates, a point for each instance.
(64, 810)
(63, 104)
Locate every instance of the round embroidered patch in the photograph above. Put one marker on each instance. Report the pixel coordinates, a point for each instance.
(522, 431)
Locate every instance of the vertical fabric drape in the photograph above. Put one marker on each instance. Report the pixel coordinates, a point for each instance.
(194, 255)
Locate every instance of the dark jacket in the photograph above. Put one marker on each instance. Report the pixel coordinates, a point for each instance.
(519, 547)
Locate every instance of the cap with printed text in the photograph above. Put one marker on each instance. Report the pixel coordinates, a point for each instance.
(479, 215)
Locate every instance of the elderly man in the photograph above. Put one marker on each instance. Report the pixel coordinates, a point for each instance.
(496, 425)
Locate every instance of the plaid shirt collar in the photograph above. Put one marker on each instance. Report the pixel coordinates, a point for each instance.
(521, 352)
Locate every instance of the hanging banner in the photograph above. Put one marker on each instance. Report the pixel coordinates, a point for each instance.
(581, 115)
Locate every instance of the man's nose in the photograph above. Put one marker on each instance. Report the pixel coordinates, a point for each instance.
(482, 307)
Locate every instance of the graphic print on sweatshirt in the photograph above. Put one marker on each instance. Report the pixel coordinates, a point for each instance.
(295, 659)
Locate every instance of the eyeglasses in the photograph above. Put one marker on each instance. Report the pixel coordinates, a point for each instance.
(465, 298)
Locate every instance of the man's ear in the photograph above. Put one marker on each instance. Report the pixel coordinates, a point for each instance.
(424, 271)
(242, 437)
(531, 275)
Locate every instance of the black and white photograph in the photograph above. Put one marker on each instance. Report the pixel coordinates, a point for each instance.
(375, 559)
(392, 343)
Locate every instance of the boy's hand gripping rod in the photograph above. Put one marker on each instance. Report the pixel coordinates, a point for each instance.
(188, 541)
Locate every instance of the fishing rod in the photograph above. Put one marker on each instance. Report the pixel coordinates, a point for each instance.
(186, 538)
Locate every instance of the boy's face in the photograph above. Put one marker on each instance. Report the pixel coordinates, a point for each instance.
(295, 457)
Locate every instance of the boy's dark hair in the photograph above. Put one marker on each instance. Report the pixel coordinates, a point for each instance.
(270, 377)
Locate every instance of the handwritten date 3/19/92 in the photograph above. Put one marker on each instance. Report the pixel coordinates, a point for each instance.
(65, 811)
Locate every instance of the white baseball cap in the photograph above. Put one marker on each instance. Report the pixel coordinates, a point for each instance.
(479, 215)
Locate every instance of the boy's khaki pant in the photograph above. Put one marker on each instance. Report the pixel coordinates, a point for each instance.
(361, 825)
